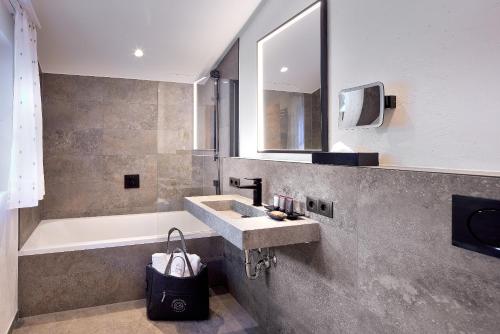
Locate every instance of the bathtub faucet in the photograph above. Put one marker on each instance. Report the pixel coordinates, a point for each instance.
(257, 190)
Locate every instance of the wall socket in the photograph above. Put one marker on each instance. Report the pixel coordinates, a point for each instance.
(325, 208)
(312, 204)
(234, 182)
(319, 207)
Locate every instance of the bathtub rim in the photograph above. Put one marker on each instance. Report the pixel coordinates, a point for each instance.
(115, 242)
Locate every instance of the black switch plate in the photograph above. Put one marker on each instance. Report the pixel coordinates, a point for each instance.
(131, 181)
(476, 224)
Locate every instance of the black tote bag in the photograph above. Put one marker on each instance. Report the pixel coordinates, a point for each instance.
(177, 298)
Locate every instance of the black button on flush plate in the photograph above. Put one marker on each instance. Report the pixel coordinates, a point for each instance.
(483, 225)
(131, 181)
(476, 224)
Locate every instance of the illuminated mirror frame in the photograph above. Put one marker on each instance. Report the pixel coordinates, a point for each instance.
(195, 112)
(322, 4)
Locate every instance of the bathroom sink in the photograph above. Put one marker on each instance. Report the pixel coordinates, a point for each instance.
(233, 209)
(246, 226)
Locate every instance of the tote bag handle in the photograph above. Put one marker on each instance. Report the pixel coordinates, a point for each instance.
(186, 261)
(183, 242)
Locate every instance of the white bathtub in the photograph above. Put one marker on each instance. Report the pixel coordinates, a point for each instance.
(62, 235)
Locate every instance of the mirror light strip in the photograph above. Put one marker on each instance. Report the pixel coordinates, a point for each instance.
(260, 99)
(195, 112)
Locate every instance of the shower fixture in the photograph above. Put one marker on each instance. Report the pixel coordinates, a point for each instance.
(215, 75)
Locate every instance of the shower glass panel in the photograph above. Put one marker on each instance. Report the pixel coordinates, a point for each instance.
(204, 114)
(228, 122)
(215, 122)
(205, 156)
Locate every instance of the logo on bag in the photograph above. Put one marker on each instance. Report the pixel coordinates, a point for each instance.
(178, 305)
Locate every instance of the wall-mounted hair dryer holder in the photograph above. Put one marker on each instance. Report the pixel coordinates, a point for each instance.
(390, 101)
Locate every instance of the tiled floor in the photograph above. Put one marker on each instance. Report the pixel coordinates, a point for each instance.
(227, 316)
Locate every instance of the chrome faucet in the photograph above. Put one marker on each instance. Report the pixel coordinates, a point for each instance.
(257, 190)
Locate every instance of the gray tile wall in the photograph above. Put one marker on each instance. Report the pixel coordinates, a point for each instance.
(29, 218)
(70, 280)
(384, 264)
(98, 129)
(204, 171)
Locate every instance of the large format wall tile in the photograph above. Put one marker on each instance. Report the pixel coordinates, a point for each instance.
(133, 116)
(197, 170)
(175, 117)
(64, 200)
(171, 116)
(69, 168)
(29, 218)
(70, 115)
(128, 142)
(115, 166)
(96, 130)
(176, 168)
(78, 142)
(417, 293)
(210, 174)
(170, 93)
(171, 198)
(384, 263)
(73, 87)
(115, 196)
(175, 180)
(129, 91)
(69, 280)
(175, 128)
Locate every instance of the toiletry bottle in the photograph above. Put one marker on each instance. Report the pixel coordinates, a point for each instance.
(282, 203)
(289, 206)
(276, 202)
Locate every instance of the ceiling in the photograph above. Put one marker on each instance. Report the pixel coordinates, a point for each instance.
(298, 47)
(181, 39)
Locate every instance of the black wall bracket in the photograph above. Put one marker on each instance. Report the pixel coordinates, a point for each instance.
(390, 101)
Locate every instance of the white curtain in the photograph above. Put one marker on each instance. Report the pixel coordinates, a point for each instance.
(26, 184)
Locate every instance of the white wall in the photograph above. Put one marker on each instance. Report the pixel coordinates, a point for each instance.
(8, 264)
(8, 218)
(440, 57)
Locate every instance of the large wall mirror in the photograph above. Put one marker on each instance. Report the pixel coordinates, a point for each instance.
(292, 84)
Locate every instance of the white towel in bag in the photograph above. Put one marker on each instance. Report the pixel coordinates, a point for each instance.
(178, 267)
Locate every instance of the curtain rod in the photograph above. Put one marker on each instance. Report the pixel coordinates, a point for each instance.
(27, 6)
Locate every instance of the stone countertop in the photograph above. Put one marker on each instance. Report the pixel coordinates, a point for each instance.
(252, 232)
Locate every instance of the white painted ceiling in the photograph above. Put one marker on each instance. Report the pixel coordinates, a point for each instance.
(181, 39)
(298, 47)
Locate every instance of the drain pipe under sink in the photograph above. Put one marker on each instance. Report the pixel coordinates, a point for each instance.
(263, 263)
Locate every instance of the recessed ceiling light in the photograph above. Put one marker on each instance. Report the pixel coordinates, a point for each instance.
(284, 69)
(138, 53)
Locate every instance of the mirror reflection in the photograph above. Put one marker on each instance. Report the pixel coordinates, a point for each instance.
(361, 106)
(290, 85)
